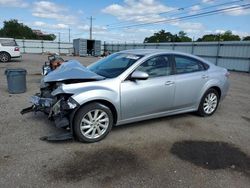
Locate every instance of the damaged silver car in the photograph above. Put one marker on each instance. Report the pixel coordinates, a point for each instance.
(128, 86)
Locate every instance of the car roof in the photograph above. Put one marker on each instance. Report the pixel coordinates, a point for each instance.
(148, 52)
(152, 51)
(144, 51)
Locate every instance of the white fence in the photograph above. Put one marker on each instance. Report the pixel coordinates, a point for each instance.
(231, 55)
(42, 46)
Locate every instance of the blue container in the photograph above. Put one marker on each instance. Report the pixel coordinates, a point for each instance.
(16, 79)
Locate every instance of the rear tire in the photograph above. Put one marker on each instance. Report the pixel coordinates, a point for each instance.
(92, 122)
(209, 103)
(4, 57)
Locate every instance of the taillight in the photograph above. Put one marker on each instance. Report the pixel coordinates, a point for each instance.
(227, 74)
(16, 49)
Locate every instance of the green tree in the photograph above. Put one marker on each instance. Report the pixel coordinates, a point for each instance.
(47, 37)
(227, 36)
(13, 29)
(183, 37)
(161, 36)
(246, 38)
(210, 37)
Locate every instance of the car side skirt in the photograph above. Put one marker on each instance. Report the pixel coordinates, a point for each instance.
(156, 115)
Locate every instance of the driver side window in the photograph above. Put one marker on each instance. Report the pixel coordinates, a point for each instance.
(156, 67)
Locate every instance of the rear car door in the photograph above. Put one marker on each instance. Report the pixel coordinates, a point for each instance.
(191, 76)
(154, 95)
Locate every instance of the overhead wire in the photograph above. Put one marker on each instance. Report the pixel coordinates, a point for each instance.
(245, 6)
(161, 13)
(176, 14)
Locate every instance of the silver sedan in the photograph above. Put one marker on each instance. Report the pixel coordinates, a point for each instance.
(126, 87)
(136, 85)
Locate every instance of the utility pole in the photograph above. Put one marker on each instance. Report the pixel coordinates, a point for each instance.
(90, 28)
(59, 37)
(69, 34)
(59, 40)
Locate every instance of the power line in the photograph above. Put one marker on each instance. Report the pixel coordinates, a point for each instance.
(212, 6)
(245, 6)
(165, 12)
(179, 9)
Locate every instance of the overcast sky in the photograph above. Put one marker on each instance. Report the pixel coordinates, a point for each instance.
(113, 17)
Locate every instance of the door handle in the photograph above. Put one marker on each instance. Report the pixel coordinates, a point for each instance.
(168, 83)
(205, 76)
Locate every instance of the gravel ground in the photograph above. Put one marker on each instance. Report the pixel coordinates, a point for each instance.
(177, 151)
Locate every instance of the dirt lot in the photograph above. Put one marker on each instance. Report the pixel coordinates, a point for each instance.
(178, 151)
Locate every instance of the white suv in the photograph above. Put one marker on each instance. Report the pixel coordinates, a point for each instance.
(8, 49)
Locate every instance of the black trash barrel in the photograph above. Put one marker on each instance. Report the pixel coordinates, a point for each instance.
(16, 79)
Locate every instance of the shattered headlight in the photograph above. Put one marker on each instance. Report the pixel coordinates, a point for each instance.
(38, 101)
(57, 107)
(72, 103)
(62, 105)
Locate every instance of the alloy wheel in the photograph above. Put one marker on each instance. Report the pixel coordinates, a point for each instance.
(210, 103)
(94, 124)
(4, 57)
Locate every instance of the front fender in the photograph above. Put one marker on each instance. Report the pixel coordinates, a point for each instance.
(97, 94)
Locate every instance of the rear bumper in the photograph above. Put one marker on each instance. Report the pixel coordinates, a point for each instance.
(225, 89)
(16, 56)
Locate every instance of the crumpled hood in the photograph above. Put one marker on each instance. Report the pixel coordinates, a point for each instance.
(71, 70)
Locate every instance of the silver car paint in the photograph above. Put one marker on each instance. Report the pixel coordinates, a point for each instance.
(136, 100)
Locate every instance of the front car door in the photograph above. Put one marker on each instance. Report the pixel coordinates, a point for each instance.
(191, 76)
(145, 97)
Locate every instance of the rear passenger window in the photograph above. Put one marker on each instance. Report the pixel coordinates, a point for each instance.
(156, 66)
(6, 42)
(187, 65)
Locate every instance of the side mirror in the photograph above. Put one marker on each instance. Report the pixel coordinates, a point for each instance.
(139, 75)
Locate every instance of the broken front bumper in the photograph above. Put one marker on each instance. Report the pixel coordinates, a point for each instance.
(57, 110)
(39, 104)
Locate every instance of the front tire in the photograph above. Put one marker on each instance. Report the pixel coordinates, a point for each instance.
(92, 122)
(209, 103)
(4, 57)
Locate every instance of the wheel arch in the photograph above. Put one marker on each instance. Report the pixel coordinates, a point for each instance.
(217, 89)
(205, 89)
(103, 102)
(6, 53)
(200, 110)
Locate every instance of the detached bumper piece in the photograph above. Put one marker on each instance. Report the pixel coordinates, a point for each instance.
(58, 111)
(39, 104)
(58, 137)
(27, 110)
(61, 122)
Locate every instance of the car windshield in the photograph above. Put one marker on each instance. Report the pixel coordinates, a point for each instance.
(113, 65)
